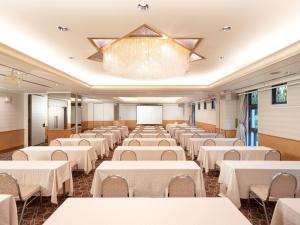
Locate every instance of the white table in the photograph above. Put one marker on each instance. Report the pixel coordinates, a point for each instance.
(148, 131)
(287, 212)
(85, 156)
(173, 129)
(184, 137)
(100, 145)
(209, 155)
(110, 137)
(8, 210)
(150, 141)
(117, 133)
(124, 128)
(148, 211)
(148, 178)
(149, 135)
(50, 176)
(149, 152)
(194, 144)
(238, 176)
(179, 132)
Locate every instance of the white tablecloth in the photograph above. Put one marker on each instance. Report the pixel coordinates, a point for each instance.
(50, 176)
(150, 141)
(85, 156)
(184, 137)
(194, 144)
(238, 176)
(149, 152)
(147, 211)
(209, 155)
(179, 132)
(100, 145)
(8, 210)
(124, 128)
(110, 137)
(149, 135)
(87, 135)
(287, 212)
(149, 131)
(148, 178)
(117, 133)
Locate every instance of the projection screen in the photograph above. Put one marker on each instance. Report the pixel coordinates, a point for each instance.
(149, 114)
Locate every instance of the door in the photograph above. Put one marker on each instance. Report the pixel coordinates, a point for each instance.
(253, 119)
(193, 115)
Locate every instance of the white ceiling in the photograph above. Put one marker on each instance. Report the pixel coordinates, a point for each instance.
(259, 28)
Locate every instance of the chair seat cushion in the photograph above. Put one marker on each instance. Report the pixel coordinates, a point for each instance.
(27, 191)
(262, 192)
(73, 163)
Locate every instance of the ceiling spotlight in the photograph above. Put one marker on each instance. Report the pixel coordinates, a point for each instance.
(62, 28)
(226, 28)
(221, 57)
(143, 6)
(71, 57)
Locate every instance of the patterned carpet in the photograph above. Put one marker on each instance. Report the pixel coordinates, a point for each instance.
(36, 214)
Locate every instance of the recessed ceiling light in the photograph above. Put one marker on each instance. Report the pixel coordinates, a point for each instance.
(143, 6)
(62, 28)
(226, 28)
(221, 57)
(71, 57)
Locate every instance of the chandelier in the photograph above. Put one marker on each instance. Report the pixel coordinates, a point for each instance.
(146, 54)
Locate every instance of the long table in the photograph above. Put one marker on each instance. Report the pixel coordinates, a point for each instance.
(149, 135)
(184, 138)
(150, 141)
(287, 212)
(110, 137)
(8, 210)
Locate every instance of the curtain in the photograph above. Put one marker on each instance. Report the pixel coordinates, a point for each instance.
(242, 121)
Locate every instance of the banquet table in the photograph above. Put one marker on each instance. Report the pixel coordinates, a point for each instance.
(150, 211)
(287, 212)
(50, 176)
(122, 131)
(8, 210)
(149, 131)
(85, 156)
(148, 178)
(209, 155)
(100, 145)
(150, 141)
(110, 137)
(149, 135)
(238, 176)
(149, 152)
(179, 132)
(117, 133)
(124, 128)
(194, 144)
(184, 137)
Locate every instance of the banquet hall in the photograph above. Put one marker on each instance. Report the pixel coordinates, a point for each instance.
(122, 112)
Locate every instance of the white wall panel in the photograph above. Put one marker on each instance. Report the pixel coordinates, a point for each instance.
(127, 111)
(172, 112)
(207, 115)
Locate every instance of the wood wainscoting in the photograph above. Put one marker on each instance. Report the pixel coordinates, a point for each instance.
(53, 134)
(206, 126)
(10, 140)
(227, 133)
(290, 149)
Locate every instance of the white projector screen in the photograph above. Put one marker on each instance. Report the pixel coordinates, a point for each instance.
(149, 114)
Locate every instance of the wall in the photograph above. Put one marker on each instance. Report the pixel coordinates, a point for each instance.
(11, 122)
(56, 109)
(206, 118)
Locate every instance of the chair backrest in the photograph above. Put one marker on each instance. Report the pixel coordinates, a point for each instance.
(75, 135)
(107, 131)
(209, 142)
(169, 155)
(99, 135)
(161, 135)
(59, 155)
(128, 156)
(219, 135)
(55, 143)
(19, 155)
(182, 186)
(196, 135)
(137, 135)
(9, 185)
(273, 155)
(114, 186)
(283, 185)
(232, 155)
(84, 142)
(239, 142)
(134, 142)
(164, 142)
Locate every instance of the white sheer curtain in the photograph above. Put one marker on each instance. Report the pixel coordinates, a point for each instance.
(242, 126)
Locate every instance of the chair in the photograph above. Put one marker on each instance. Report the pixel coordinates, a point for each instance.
(219, 135)
(283, 185)
(55, 143)
(229, 155)
(181, 186)
(75, 135)
(137, 135)
(239, 142)
(196, 135)
(164, 142)
(99, 135)
(169, 155)
(128, 156)
(209, 142)
(60, 155)
(160, 135)
(273, 155)
(84, 142)
(107, 131)
(19, 155)
(114, 186)
(134, 142)
(21, 193)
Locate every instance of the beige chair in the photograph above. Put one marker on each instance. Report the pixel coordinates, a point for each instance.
(107, 131)
(60, 155)
(134, 142)
(21, 193)
(137, 135)
(273, 155)
(160, 135)
(239, 142)
(99, 135)
(115, 187)
(19, 155)
(84, 142)
(219, 135)
(283, 185)
(128, 156)
(181, 186)
(75, 135)
(209, 142)
(229, 155)
(169, 155)
(196, 135)
(163, 143)
(55, 143)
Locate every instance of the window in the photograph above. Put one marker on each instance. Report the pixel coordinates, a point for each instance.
(205, 106)
(199, 105)
(253, 118)
(213, 104)
(279, 94)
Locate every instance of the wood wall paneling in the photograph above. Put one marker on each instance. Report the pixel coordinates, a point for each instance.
(53, 134)
(208, 127)
(12, 139)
